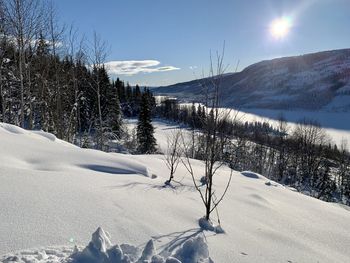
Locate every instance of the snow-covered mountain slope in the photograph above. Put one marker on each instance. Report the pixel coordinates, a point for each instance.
(319, 81)
(55, 194)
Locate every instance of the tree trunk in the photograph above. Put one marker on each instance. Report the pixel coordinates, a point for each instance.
(21, 60)
(100, 116)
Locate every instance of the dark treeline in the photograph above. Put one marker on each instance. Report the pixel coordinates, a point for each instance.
(302, 158)
(60, 94)
(51, 80)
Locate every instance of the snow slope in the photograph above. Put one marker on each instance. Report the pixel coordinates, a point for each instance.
(56, 194)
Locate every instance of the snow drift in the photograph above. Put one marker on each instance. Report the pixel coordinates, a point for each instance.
(53, 195)
(101, 250)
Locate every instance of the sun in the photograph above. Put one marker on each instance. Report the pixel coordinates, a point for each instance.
(280, 27)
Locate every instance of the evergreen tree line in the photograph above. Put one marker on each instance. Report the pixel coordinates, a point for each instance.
(61, 96)
(60, 93)
(60, 84)
(302, 158)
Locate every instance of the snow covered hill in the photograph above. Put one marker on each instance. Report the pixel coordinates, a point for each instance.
(53, 195)
(319, 81)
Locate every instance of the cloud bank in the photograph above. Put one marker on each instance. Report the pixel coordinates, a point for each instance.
(133, 67)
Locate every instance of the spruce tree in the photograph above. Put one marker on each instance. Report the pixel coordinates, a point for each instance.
(119, 85)
(145, 130)
(128, 92)
(136, 99)
(114, 112)
(193, 116)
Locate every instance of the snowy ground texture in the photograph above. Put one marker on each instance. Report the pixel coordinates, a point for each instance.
(53, 195)
(101, 250)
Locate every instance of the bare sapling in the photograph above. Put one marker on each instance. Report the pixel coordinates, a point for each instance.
(213, 141)
(173, 153)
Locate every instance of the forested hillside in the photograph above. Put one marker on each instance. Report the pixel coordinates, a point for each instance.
(318, 81)
(54, 81)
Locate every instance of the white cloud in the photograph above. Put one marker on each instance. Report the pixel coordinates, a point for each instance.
(133, 67)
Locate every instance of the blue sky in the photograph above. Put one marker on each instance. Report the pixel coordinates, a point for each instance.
(160, 42)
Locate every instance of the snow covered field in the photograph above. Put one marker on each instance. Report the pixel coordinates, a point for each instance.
(54, 195)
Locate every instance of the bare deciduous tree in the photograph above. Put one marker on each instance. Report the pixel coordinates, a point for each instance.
(311, 139)
(24, 19)
(2, 57)
(282, 159)
(213, 139)
(97, 58)
(55, 37)
(173, 153)
(343, 168)
(76, 54)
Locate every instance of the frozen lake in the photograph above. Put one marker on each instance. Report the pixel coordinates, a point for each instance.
(336, 124)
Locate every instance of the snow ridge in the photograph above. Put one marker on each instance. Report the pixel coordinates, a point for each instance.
(101, 250)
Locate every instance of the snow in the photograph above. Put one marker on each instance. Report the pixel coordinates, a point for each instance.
(53, 195)
(307, 82)
(339, 104)
(335, 124)
(209, 226)
(194, 250)
(163, 129)
(56, 155)
(172, 260)
(41, 255)
(100, 240)
(148, 252)
(101, 250)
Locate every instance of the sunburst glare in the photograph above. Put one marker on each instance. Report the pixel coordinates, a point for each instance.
(280, 27)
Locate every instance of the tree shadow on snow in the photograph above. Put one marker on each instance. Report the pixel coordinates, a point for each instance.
(250, 175)
(172, 241)
(169, 128)
(107, 169)
(148, 186)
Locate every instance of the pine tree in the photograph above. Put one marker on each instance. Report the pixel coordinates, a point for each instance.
(137, 93)
(114, 112)
(145, 130)
(324, 184)
(128, 94)
(136, 99)
(119, 85)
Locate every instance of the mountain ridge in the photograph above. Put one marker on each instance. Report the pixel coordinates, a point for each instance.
(315, 81)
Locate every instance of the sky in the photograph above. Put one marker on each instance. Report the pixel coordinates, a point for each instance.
(162, 42)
